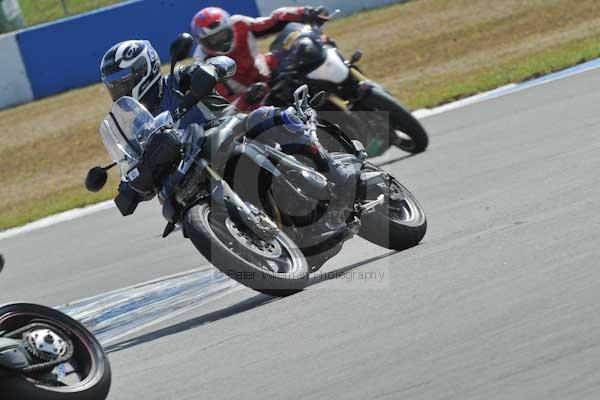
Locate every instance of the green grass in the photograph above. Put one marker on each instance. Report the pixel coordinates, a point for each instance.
(54, 202)
(39, 11)
(510, 71)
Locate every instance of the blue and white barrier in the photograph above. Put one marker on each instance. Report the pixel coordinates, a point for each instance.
(65, 54)
(14, 83)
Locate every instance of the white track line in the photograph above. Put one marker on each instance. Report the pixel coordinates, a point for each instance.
(56, 219)
(422, 113)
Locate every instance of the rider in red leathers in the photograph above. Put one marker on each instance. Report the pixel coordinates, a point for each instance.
(218, 33)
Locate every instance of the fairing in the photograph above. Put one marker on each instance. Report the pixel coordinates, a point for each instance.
(126, 129)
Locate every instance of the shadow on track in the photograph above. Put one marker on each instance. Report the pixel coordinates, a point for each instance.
(246, 305)
(336, 272)
(393, 160)
(232, 310)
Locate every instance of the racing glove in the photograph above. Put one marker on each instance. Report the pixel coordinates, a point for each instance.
(256, 93)
(201, 78)
(318, 15)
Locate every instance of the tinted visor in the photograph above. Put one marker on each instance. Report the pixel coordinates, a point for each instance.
(121, 83)
(220, 41)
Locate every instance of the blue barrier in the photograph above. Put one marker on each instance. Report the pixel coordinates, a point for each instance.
(14, 83)
(66, 54)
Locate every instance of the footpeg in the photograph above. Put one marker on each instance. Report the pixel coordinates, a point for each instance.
(370, 206)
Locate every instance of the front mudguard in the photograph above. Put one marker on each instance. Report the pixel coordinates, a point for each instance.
(371, 183)
(244, 215)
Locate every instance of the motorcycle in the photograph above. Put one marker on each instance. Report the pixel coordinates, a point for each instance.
(265, 205)
(46, 355)
(364, 109)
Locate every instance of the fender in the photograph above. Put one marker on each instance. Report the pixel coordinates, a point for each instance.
(244, 214)
(369, 180)
(365, 86)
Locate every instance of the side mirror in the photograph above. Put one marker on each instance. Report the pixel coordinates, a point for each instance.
(1, 262)
(96, 179)
(180, 48)
(356, 57)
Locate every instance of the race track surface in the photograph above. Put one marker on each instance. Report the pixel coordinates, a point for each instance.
(500, 301)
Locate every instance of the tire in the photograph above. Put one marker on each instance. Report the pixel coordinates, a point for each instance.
(94, 387)
(390, 229)
(400, 119)
(207, 232)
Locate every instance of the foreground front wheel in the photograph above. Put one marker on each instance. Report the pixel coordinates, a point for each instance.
(275, 267)
(66, 362)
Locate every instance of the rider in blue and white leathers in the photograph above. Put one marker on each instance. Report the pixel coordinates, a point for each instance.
(132, 68)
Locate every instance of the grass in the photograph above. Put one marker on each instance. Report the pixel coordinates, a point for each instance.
(38, 11)
(426, 52)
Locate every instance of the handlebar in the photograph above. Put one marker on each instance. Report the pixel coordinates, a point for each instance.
(304, 110)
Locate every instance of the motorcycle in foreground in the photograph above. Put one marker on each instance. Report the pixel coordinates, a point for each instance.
(46, 355)
(363, 108)
(266, 205)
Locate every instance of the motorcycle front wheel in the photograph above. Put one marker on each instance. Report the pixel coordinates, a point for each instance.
(405, 131)
(85, 375)
(277, 267)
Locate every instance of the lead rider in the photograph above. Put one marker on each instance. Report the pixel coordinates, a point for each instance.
(217, 34)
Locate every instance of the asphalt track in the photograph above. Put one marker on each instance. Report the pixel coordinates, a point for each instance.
(500, 301)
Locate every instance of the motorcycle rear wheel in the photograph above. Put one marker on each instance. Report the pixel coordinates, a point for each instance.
(88, 361)
(399, 223)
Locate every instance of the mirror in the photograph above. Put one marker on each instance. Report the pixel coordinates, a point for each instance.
(181, 47)
(356, 57)
(96, 179)
(1, 262)
(180, 50)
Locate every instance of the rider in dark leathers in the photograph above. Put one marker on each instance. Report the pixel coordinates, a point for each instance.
(132, 68)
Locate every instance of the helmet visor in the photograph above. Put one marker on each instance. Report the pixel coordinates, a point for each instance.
(122, 82)
(220, 41)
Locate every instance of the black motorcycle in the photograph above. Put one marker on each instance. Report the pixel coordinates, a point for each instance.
(260, 197)
(46, 355)
(363, 108)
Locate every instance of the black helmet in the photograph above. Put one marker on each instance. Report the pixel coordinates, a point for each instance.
(130, 68)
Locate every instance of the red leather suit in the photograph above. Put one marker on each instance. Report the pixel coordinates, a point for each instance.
(252, 67)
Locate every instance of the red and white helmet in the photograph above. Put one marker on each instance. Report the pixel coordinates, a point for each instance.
(213, 29)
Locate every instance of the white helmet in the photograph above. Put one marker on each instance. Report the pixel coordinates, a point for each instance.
(130, 68)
